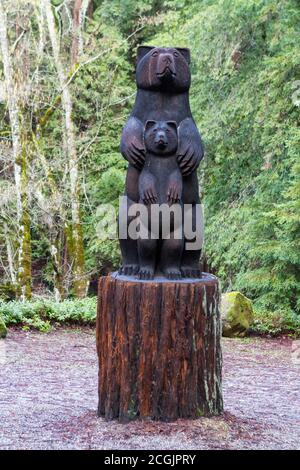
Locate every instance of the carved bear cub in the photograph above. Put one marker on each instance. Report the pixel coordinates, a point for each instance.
(160, 182)
(163, 81)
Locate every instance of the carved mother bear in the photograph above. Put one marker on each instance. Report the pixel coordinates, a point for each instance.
(163, 80)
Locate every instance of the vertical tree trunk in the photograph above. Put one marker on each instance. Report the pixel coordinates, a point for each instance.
(10, 258)
(57, 266)
(76, 31)
(20, 169)
(79, 12)
(78, 259)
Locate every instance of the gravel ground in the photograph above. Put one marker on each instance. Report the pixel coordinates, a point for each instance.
(48, 398)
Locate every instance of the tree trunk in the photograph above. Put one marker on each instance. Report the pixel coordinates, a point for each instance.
(10, 257)
(55, 249)
(76, 31)
(77, 255)
(20, 168)
(159, 348)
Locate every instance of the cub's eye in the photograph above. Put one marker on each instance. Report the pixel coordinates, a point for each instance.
(154, 130)
(154, 54)
(176, 54)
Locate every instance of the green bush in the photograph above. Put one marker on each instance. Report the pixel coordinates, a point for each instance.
(275, 323)
(40, 314)
(7, 292)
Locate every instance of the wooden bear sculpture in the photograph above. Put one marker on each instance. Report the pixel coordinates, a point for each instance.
(160, 182)
(163, 80)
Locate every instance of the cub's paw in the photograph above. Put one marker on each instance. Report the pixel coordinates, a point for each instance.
(146, 272)
(149, 196)
(173, 194)
(129, 269)
(189, 272)
(172, 273)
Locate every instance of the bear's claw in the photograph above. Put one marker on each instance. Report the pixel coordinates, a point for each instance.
(129, 270)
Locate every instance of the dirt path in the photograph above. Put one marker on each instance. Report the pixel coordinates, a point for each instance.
(48, 399)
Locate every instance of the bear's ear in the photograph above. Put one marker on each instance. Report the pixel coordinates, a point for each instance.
(149, 124)
(173, 124)
(185, 52)
(142, 51)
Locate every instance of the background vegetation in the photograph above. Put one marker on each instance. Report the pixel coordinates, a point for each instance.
(245, 99)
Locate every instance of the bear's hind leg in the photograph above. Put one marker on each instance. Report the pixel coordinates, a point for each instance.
(129, 249)
(190, 264)
(147, 257)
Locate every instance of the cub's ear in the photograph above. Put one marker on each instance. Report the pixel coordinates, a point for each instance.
(149, 124)
(173, 124)
(185, 52)
(142, 51)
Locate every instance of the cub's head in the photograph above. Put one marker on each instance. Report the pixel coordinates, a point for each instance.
(163, 68)
(160, 137)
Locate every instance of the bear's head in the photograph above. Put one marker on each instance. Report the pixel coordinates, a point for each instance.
(160, 137)
(163, 68)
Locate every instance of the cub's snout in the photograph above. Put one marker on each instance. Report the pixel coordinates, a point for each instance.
(161, 139)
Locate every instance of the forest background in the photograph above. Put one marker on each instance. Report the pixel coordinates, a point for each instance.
(66, 89)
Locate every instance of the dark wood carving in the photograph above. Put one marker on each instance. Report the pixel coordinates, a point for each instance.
(163, 81)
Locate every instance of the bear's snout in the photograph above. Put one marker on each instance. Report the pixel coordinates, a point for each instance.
(166, 66)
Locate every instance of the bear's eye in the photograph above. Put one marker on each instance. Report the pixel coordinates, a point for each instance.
(155, 130)
(176, 54)
(154, 54)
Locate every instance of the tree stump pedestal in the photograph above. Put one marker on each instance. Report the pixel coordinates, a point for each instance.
(159, 350)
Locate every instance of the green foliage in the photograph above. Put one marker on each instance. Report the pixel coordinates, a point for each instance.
(3, 329)
(7, 292)
(245, 67)
(40, 314)
(245, 100)
(275, 323)
(126, 14)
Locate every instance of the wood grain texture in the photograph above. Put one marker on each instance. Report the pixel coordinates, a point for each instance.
(159, 349)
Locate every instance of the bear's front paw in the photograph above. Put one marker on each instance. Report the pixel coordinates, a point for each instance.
(188, 159)
(135, 154)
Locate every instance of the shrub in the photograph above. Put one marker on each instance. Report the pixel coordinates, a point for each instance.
(40, 314)
(275, 323)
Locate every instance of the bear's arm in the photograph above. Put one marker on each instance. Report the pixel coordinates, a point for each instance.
(132, 145)
(190, 147)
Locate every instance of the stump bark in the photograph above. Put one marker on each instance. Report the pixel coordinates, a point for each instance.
(159, 350)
